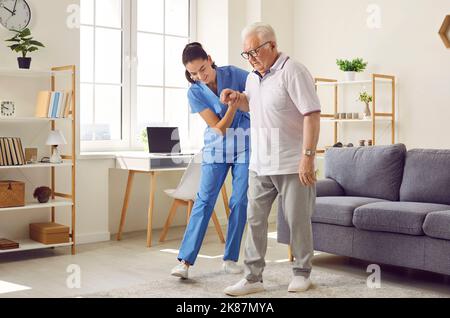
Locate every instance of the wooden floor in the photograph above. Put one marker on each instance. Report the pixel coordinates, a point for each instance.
(111, 265)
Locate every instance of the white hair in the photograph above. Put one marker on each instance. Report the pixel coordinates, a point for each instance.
(264, 31)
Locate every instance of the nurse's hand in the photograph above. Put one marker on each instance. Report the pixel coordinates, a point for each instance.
(228, 95)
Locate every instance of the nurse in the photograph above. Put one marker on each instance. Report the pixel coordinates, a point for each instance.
(226, 147)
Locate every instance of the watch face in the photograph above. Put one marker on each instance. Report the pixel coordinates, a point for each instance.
(14, 14)
(7, 109)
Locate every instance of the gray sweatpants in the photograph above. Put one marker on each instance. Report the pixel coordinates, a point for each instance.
(298, 205)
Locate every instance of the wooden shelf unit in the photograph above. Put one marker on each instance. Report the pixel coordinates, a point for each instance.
(69, 161)
(376, 80)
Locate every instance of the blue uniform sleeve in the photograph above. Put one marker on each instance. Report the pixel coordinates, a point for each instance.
(241, 76)
(195, 102)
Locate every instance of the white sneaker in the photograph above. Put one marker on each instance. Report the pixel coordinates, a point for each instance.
(299, 284)
(181, 271)
(244, 287)
(231, 267)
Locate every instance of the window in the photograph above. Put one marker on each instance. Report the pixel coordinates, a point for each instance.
(131, 72)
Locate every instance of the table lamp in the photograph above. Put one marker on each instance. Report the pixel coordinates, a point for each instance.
(56, 138)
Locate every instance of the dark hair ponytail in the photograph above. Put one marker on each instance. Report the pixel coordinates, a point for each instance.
(194, 51)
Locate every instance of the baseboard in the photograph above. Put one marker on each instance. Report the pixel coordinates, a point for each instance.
(93, 238)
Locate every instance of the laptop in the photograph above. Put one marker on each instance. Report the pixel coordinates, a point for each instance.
(164, 141)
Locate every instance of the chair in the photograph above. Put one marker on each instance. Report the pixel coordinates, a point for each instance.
(185, 194)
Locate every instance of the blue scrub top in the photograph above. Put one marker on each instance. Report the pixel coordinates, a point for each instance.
(201, 97)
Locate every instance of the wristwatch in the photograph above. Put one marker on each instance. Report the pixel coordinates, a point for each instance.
(309, 152)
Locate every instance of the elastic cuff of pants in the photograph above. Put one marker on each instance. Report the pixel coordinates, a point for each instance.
(305, 274)
(253, 279)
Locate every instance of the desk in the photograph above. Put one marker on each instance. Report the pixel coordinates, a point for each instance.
(150, 164)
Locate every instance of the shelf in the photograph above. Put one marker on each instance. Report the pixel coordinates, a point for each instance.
(32, 119)
(325, 120)
(30, 73)
(51, 76)
(28, 245)
(37, 205)
(66, 163)
(340, 83)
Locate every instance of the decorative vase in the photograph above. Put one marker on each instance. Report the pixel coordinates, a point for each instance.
(24, 62)
(42, 194)
(367, 114)
(349, 76)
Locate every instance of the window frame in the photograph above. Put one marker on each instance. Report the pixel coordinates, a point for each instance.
(129, 79)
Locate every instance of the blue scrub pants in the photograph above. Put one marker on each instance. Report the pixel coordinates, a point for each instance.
(212, 179)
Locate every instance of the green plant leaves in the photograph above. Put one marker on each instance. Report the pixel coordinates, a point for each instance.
(364, 97)
(356, 65)
(24, 42)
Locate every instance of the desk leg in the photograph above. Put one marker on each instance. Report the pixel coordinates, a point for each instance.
(218, 227)
(126, 200)
(150, 208)
(290, 256)
(189, 211)
(225, 200)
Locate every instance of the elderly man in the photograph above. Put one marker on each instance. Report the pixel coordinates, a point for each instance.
(285, 116)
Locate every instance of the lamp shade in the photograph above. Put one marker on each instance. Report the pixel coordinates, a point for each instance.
(55, 138)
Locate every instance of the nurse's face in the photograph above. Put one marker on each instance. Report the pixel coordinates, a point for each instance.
(201, 70)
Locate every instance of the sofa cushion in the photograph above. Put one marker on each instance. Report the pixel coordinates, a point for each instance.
(437, 225)
(338, 210)
(426, 176)
(328, 188)
(374, 172)
(394, 217)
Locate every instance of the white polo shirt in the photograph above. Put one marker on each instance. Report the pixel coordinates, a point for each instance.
(278, 103)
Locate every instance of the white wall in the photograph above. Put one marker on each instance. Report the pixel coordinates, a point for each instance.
(407, 45)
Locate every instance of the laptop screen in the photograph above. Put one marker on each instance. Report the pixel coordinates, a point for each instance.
(163, 140)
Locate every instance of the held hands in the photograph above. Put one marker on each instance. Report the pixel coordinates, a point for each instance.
(306, 172)
(231, 98)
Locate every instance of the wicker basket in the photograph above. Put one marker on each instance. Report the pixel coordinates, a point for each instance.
(12, 194)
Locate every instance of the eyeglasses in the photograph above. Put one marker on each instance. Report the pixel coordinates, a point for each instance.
(253, 53)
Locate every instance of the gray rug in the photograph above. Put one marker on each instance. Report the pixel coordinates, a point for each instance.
(276, 280)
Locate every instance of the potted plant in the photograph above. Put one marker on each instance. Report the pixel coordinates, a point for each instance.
(350, 68)
(24, 43)
(367, 99)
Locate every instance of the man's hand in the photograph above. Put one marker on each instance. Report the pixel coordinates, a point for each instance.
(228, 96)
(306, 172)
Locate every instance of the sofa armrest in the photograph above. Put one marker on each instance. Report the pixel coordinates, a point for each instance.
(329, 188)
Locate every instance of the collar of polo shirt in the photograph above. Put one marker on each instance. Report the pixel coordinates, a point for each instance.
(278, 65)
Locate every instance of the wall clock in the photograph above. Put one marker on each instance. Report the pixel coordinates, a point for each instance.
(7, 109)
(15, 14)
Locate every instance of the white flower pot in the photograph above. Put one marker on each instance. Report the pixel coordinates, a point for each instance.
(349, 76)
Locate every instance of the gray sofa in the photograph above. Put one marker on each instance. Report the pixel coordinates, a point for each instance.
(384, 205)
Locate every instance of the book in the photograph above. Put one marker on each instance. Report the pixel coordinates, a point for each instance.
(43, 103)
(3, 152)
(50, 106)
(55, 104)
(14, 160)
(19, 151)
(6, 244)
(68, 106)
(63, 104)
(1, 155)
(22, 152)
